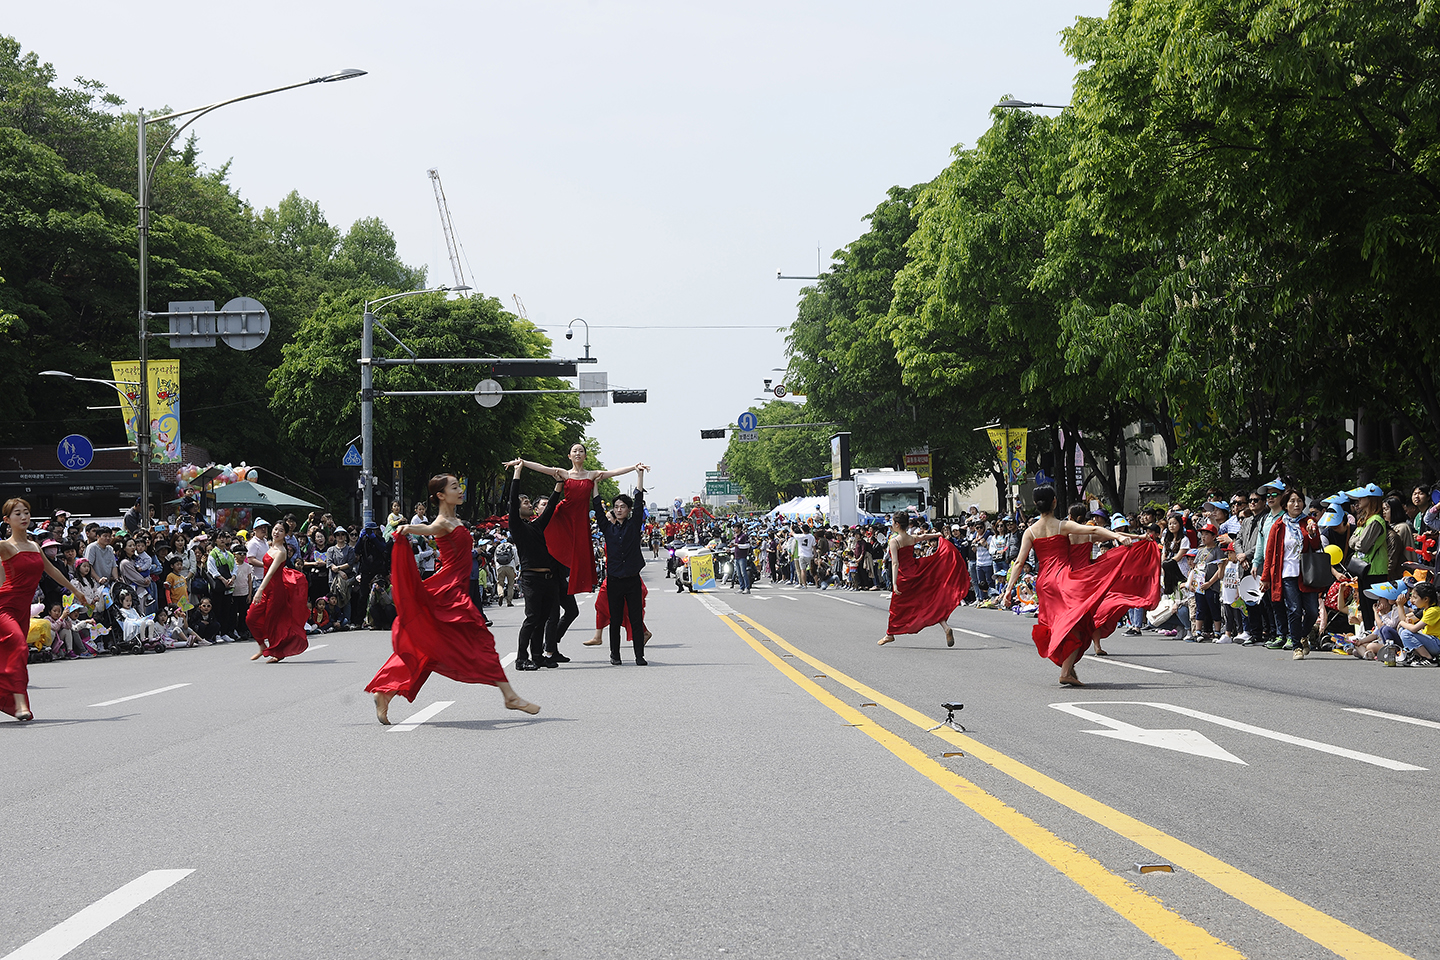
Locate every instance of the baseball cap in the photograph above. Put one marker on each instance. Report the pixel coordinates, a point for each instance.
(1218, 505)
(1277, 485)
(1369, 490)
(1209, 528)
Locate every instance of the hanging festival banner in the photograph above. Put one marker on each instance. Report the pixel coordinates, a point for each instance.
(919, 461)
(164, 376)
(1014, 457)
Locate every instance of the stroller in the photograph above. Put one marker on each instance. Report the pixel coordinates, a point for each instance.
(134, 634)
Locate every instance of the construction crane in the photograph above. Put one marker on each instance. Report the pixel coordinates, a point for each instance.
(519, 307)
(447, 227)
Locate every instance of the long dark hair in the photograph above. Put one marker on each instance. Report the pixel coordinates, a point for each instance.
(1044, 498)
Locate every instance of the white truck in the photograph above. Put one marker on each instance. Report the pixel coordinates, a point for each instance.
(872, 494)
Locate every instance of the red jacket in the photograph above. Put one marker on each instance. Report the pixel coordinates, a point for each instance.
(1275, 555)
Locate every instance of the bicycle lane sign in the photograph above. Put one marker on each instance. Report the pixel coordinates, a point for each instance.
(75, 452)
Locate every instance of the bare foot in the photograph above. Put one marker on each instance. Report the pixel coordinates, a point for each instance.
(525, 706)
(648, 635)
(949, 638)
(273, 660)
(1070, 680)
(884, 640)
(593, 641)
(22, 708)
(382, 707)
(258, 655)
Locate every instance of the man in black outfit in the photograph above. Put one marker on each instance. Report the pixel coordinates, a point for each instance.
(624, 556)
(541, 575)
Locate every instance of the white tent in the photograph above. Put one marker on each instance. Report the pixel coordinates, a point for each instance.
(802, 508)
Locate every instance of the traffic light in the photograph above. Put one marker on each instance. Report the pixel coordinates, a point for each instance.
(628, 396)
(712, 434)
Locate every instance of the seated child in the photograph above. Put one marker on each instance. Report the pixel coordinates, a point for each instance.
(178, 632)
(1420, 636)
(65, 642)
(203, 622)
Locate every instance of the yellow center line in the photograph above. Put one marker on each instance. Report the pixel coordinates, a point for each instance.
(1165, 926)
(1328, 932)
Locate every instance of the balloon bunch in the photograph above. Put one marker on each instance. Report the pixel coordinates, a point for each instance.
(235, 517)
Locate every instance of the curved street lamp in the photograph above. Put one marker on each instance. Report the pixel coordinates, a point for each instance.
(146, 178)
(1010, 104)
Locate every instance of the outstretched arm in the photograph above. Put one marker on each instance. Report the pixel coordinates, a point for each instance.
(608, 474)
(438, 527)
(1098, 533)
(1027, 544)
(559, 473)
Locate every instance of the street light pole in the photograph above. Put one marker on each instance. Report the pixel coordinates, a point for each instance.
(367, 398)
(146, 176)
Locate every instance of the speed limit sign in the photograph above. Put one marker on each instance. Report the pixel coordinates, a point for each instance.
(780, 390)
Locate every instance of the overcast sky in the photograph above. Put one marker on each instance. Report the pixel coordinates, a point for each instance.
(647, 166)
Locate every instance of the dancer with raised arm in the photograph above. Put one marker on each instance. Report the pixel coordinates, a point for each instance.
(277, 614)
(542, 577)
(24, 563)
(437, 629)
(568, 536)
(927, 589)
(624, 559)
(1077, 604)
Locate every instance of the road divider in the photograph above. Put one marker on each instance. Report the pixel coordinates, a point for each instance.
(66, 936)
(1153, 918)
(1313, 924)
(137, 696)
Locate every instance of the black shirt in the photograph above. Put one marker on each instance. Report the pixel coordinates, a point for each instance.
(529, 536)
(623, 541)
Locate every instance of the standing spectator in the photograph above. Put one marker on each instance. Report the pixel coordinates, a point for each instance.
(220, 566)
(1290, 536)
(505, 571)
(132, 517)
(1371, 542)
(1402, 535)
(1272, 620)
(255, 549)
(244, 578)
(102, 555)
(744, 550)
(341, 561)
(130, 576)
(374, 559)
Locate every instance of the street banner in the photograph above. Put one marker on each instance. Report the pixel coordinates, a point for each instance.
(919, 461)
(1013, 458)
(164, 376)
(702, 572)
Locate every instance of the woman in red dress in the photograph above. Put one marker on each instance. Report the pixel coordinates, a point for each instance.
(927, 589)
(568, 536)
(1077, 604)
(281, 605)
(437, 629)
(24, 562)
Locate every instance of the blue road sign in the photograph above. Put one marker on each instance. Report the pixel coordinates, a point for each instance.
(75, 452)
(746, 422)
(352, 458)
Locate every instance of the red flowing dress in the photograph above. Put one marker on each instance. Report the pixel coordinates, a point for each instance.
(568, 535)
(930, 588)
(22, 576)
(602, 607)
(279, 616)
(1079, 602)
(437, 629)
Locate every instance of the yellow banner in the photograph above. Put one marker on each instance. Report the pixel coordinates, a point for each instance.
(1009, 447)
(164, 377)
(702, 572)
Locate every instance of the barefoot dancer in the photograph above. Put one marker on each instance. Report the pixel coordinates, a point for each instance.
(24, 563)
(1077, 604)
(927, 589)
(277, 615)
(437, 629)
(568, 536)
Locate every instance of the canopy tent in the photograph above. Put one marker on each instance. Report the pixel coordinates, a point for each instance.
(248, 493)
(802, 508)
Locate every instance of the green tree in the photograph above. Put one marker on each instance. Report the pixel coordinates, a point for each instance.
(774, 467)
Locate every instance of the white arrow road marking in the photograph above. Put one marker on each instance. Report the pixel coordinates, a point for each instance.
(1181, 741)
(415, 719)
(66, 936)
(1121, 663)
(1329, 748)
(1394, 716)
(973, 633)
(791, 599)
(316, 646)
(137, 696)
(852, 603)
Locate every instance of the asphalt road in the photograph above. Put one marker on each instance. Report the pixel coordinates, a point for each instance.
(727, 802)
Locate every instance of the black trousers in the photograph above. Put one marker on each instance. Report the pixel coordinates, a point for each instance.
(625, 600)
(542, 606)
(241, 607)
(566, 611)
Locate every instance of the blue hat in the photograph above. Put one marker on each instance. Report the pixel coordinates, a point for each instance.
(1218, 505)
(1369, 490)
(1385, 591)
(1119, 520)
(1334, 517)
(1335, 499)
(1276, 484)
